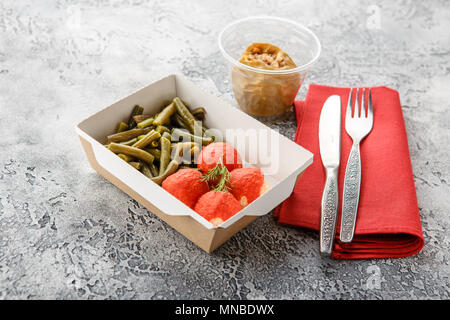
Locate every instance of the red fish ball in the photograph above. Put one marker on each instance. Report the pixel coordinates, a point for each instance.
(217, 206)
(186, 186)
(218, 151)
(247, 184)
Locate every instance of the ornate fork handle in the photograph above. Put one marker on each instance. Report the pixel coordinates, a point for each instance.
(350, 199)
(329, 212)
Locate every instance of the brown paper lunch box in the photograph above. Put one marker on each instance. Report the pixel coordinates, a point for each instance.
(281, 160)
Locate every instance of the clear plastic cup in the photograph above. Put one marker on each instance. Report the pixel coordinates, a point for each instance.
(268, 94)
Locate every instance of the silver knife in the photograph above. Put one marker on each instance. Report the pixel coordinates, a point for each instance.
(330, 152)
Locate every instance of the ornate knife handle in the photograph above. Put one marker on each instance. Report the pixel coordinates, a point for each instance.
(350, 199)
(329, 212)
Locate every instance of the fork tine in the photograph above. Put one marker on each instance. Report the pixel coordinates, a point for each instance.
(356, 112)
(348, 114)
(363, 108)
(370, 109)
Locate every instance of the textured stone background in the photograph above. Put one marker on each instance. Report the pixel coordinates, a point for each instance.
(67, 233)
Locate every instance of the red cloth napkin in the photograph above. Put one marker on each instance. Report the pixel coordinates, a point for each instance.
(388, 223)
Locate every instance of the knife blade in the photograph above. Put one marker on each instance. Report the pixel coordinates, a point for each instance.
(330, 153)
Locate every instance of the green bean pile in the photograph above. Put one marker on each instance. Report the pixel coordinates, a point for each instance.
(158, 145)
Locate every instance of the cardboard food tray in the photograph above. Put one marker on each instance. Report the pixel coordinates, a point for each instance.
(292, 159)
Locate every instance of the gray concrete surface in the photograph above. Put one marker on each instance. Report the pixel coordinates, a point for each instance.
(66, 233)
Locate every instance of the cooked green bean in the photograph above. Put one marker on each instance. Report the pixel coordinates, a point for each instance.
(179, 151)
(131, 151)
(137, 110)
(178, 121)
(147, 139)
(122, 126)
(161, 129)
(154, 169)
(165, 155)
(183, 111)
(125, 157)
(167, 135)
(183, 145)
(141, 117)
(136, 165)
(154, 152)
(154, 144)
(129, 142)
(145, 169)
(146, 123)
(164, 116)
(199, 113)
(198, 129)
(189, 157)
(127, 135)
(177, 133)
(195, 150)
(172, 167)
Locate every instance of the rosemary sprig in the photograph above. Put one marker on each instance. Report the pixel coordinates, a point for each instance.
(220, 175)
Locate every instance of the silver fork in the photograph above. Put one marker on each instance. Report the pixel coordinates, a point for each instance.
(357, 127)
